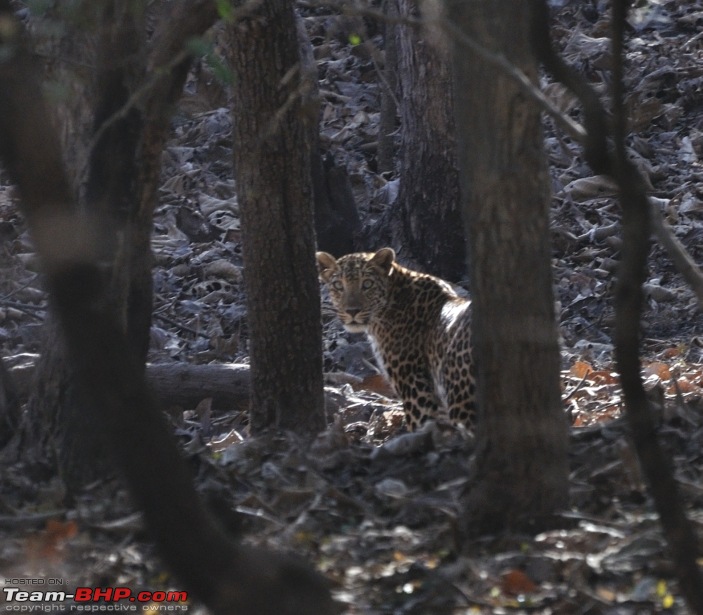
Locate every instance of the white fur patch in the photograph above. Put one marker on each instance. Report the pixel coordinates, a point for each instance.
(452, 312)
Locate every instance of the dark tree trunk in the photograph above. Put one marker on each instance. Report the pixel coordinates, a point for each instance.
(428, 201)
(9, 404)
(521, 470)
(121, 193)
(272, 172)
(113, 167)
(68, 49)
(110, 195)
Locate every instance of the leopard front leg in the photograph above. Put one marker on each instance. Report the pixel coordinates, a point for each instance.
(416, 388)
(408, 371)
(462, 408)
(460, 385)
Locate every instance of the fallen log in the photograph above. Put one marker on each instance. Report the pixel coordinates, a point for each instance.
(182, 384)
(174, 384)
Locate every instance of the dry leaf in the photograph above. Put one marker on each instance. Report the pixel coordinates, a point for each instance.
(590, 188)
(47, 543)
(516, 582)
(580, 369)
(670, 353)
(605, 377)
(661, 370)
(376, 383)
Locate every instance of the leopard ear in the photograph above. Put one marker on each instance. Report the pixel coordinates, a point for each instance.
(384, 259)
(326, 265)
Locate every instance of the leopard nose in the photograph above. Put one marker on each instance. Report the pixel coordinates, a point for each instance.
(353, 311)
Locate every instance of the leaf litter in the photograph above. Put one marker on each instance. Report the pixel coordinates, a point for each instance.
(375, 510)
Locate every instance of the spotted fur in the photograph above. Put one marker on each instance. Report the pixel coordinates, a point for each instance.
(419, 329)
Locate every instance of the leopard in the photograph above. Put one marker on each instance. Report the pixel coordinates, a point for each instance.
(419, 329)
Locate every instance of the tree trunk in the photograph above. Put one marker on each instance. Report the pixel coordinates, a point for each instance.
(272, 173)
(521, 469)
(389, 92)
(336, 216)
(9, 404)
(67, 51)
(121, 192)
(110, 195)
(428, 201)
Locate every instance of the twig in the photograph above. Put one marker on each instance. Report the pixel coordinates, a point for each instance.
(20, 288)
(32, 520)
(569, 395)
(682, 260)
(24, 307)
(181, 326)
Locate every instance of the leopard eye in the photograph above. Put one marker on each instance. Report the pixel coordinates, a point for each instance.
(337, 285)
(366, 284)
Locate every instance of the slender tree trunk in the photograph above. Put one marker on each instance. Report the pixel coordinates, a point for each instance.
(9, 404)
(389, 92)
(272, 172)
(521, 470)
(428, 200)
(336, 216)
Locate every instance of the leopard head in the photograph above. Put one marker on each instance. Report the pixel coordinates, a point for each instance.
(358, 285)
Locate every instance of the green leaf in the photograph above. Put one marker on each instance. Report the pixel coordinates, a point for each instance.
(222, 71)
(224, 9)
(199, 46)
(203, 48)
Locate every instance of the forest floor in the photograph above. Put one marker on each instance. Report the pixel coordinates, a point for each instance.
(376, 517)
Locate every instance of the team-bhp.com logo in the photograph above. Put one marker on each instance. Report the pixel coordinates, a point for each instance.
(93, 599)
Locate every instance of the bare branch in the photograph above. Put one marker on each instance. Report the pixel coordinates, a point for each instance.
(683, 261)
